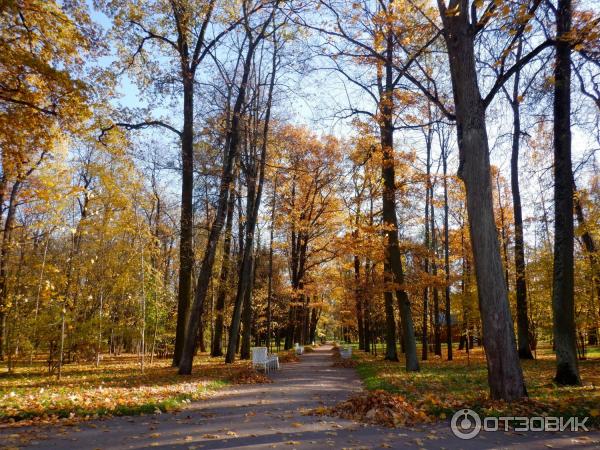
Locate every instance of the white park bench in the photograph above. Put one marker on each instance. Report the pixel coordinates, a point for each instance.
(346, 352)
(262, 360)
(299, 349)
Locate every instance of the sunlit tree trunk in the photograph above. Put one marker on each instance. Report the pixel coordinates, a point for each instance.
(505, 376)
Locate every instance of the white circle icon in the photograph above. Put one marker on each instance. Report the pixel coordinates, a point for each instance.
(465, 424)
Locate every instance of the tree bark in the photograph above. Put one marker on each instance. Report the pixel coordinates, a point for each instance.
(503, 233)
(314, 320)
(447, 256)
(4, 256)
(247, 314)
(270, 273)
(185, 364)
(427, 243)
(594, 258)
(358, 296)
(505, 376)
(217, 349)
(289, 332)
(393, 267)
(563, 302)
(186, 246)
(520, 278)
(437, 332)
(252, 210)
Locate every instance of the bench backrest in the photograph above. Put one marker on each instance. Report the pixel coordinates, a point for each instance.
(259, 354)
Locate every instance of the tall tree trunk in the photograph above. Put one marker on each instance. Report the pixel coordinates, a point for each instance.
(4, 256)
(233, 138)
(242, 309)
(68, 298)
(270, 273)
(247, 317)
(466, 292)
(217, 349)
(437, 332)
(289, 332)
(425, 331)
(563, 302)
(367, 327)
(594, 258)
(305, 322)
(296, 277)
(358, 300)
(185, 364)
(447, 255)
(201, 337)
(505, 376)
(248, 312)
(186, 245)
(252, 210)
(520, 278)
(503, 233)
(393, 267)
(314, 320)
(370, 339)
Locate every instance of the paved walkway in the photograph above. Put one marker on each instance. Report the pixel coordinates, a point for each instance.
(271, 416)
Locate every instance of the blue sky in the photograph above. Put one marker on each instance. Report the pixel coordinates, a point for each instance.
(312, 99)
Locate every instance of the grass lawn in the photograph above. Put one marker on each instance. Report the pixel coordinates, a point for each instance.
(441, 387)
(116, 387)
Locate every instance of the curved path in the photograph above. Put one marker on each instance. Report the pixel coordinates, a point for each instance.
(268, 416)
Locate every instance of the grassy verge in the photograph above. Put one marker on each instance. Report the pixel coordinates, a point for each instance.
(441, 387)
(116, 387)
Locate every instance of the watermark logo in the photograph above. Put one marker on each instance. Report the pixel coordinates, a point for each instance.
(466, 424)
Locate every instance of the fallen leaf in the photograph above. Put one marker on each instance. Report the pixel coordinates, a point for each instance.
(210, 436)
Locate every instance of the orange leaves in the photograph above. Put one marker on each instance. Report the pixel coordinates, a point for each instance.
(344, 363)
(41, 50)
(453, 12)
(377, 407)
(288, 356)
(405, 98)
(250, 376)
(586, 31)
